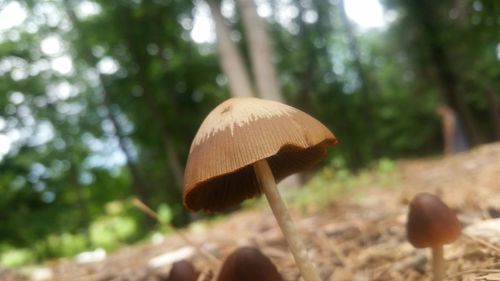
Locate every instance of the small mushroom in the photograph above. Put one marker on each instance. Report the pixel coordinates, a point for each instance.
(242, 148)
(183, 271)
(431, 223)
(248, 264)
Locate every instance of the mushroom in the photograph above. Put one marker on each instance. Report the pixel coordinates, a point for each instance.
(183, 271)
(248, 264)
(242, 148)
(431, 223)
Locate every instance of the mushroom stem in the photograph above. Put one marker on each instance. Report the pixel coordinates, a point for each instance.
(268, 186)
(438, 263)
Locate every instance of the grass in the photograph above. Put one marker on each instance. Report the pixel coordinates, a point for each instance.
(334, 181)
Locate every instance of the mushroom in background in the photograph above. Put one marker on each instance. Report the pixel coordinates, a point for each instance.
(183, 271)
(248, 264)
(431, 223)
(242, 148)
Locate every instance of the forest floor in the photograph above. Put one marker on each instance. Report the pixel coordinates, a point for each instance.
(358, 235)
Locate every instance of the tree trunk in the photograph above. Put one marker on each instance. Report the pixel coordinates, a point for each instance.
(81, 203)
(448, 84)
(262, 66)
(446, 77)
(448, 127)
(356, 56)
(366, 84)
(229, 56)
(171, 157)
(305, 100)
(260, 52)
(138, 183)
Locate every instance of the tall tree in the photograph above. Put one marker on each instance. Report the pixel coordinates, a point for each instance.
(261, 53)
(139, 58)
(230, 57)
(367, 87)
(138, 181)
(424, 15)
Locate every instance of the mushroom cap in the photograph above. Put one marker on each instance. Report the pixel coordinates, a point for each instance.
(238, 133)
(431, 222)
(248, 264)
(183, 271)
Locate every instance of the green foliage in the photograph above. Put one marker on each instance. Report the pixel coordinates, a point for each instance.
(336, 180)
(59, 245)
(15, 257)
(110, 232)
(385, 166)
(118, 225)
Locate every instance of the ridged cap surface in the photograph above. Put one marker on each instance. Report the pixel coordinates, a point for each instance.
(431, 222)
(240, 132)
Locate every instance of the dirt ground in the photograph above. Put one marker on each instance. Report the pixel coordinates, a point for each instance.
(357, 237)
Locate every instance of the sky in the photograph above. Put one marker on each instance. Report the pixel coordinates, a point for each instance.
(366, 14)
(11, 15)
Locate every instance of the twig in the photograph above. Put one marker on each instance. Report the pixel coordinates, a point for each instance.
(148, 211)
(483, 242)
(323, 238)
(485, 269)
(206, 275)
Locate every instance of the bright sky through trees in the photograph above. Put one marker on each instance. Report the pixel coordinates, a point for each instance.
(365, 13)
(11, 15)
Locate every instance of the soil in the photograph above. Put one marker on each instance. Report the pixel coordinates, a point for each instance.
(357, 237)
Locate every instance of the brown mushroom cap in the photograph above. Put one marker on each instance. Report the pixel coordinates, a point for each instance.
(240, 132)
(430, 222)
(183, 271)
(248, 264)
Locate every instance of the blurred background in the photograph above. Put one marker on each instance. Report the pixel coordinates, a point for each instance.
(99, 100)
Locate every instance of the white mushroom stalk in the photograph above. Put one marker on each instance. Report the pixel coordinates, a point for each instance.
(299, 252)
